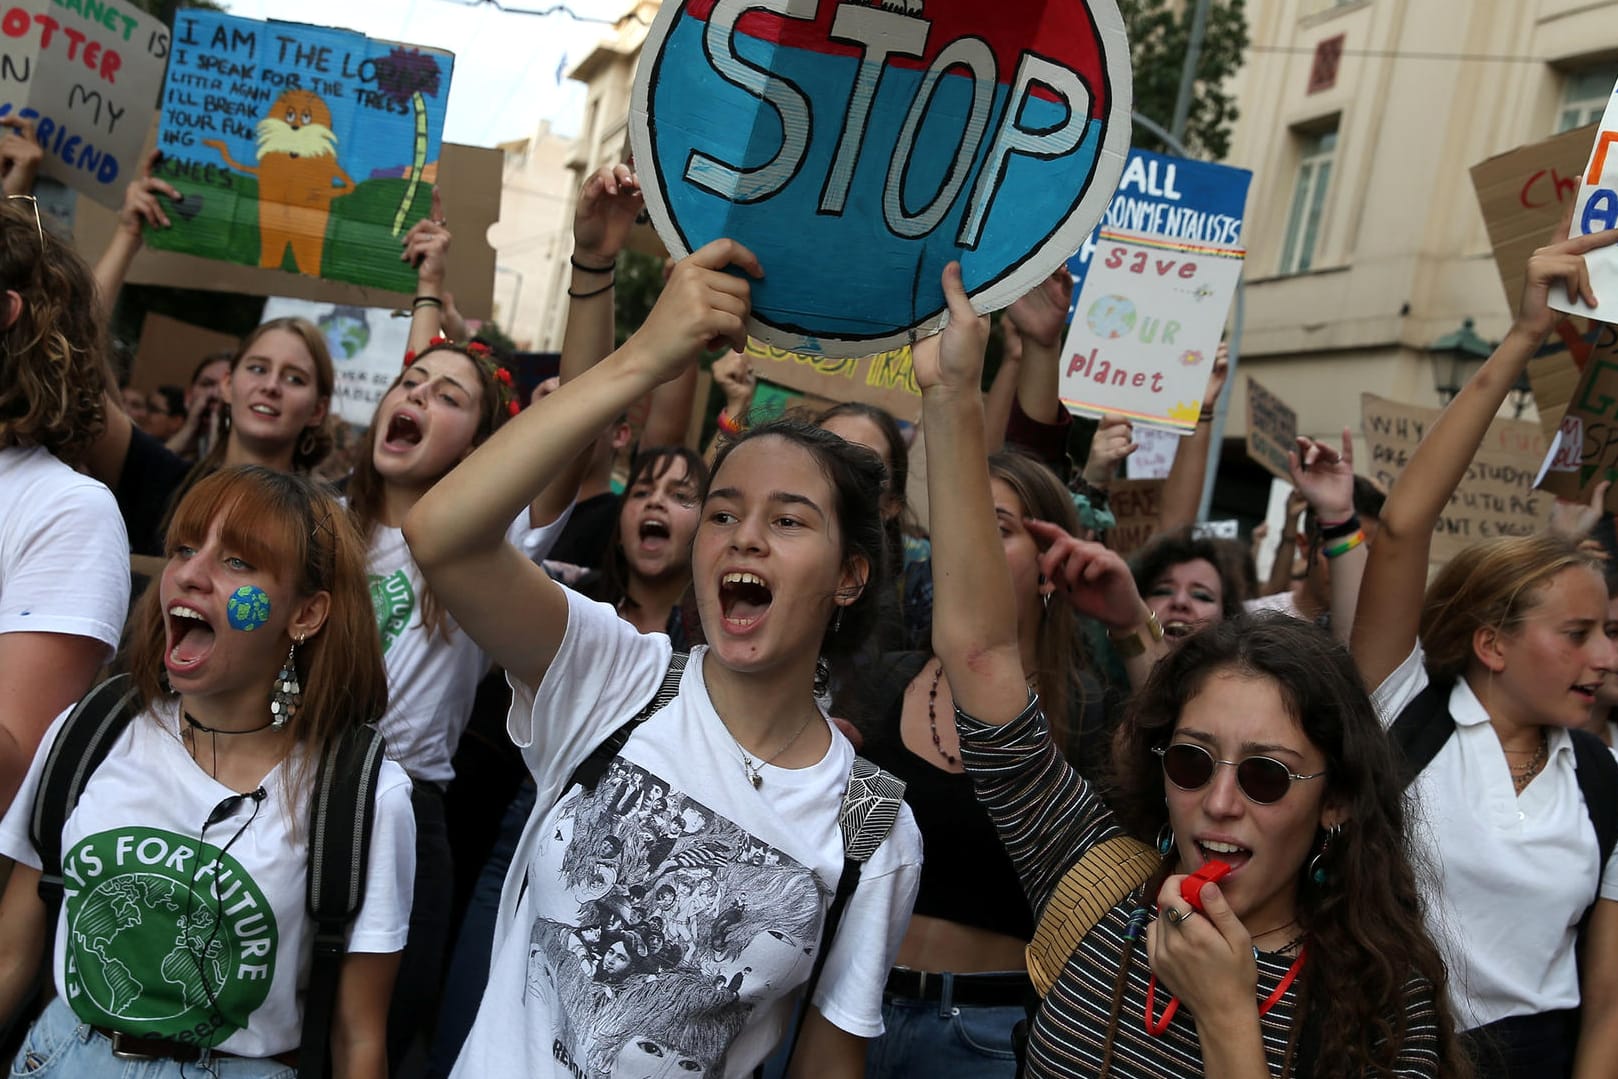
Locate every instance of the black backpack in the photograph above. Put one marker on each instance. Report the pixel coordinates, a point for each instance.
(342, 811)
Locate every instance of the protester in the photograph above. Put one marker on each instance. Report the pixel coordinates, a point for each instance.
(253, 652)
(274, 403)
(960, 983)
(616, 937)
(199, 429)
(1190, 581)
(165, 412)
(1503, 658)
(64, 565)
(1370, 976)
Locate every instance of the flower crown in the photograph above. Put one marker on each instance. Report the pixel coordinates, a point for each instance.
(483, 355)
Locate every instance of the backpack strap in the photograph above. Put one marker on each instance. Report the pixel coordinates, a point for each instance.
(1422, 728)
(81, 745)
(342, 812)
(1597, 771)
(593, 767)
(870, 808)
(1102, 877)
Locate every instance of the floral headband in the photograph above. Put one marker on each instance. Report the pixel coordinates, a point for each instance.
(483, 355)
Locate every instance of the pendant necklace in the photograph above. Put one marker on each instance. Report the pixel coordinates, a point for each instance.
(754, 770)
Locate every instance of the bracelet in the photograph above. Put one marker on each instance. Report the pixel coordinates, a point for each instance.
(596, 292)
(1346, 527)
(426, 301)
(587, 268)
(1131, 646)
(730, 426)
(1343, 547)
(1206, 415)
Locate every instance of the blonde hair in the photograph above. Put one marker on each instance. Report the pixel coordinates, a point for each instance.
(1494, 585)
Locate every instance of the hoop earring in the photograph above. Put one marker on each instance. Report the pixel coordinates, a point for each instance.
(309, 443)
(1318, 872)
(1045, 598)
(1165, 840)
(287, 696)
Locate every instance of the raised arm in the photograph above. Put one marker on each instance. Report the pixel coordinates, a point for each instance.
(457, 531)
(426, 247)
(1396, 570)
(1002, 391)
(608, 206)
(1325, 477)
(974, 611)
(1182, 490)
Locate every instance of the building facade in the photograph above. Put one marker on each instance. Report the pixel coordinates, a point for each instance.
(533, 238)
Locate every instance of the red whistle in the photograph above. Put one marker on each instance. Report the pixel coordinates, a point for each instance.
(1191, 887)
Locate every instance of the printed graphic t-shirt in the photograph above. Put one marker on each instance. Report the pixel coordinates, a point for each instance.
(669, 915)
(163, 936)
(432, 675)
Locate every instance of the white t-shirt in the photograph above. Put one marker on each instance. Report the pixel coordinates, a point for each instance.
(432, 676)
(64, 555)
(147, 945)
(668, 917)
(1515, 873)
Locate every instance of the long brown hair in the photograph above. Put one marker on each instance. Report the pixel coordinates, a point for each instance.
(366, 486)
(1059, 653)
(1366, 924)
(1495, 585)
(294, 528)
(52, 386)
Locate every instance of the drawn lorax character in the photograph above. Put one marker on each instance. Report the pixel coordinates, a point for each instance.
(298, 177)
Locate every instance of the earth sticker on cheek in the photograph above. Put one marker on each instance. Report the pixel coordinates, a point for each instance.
(248, 608)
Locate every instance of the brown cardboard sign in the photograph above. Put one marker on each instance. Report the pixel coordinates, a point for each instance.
(885, 379)
(170, 350)
(1137, 505)
(1272, 429)
(1587, 451)
(1495, 498)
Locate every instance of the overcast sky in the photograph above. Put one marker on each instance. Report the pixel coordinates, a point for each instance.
(505, 79)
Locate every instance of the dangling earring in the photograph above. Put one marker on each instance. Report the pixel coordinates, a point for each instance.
(1045, 598)
(163, 680)
(1317, 864)
(1165, 840)
(837, 622)
(288, 694)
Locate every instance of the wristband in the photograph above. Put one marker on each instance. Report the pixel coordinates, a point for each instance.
(1342, 528)
(730, 426)
(594, 292)
(1130, 646)
(1342, 547)
(1206, 415)
(587, 268)
(426, 301)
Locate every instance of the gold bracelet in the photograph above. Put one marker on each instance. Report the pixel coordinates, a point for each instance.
(1131, 645)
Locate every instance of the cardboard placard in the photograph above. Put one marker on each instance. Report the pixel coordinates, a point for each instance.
(1496, 498)
(1586, 451)
(367, 350)
(87, 74)
(170, 350)
(856, 149)
(1272, 430)
(1173, 197)
(471, 205)
(885, 379)
(299, 147)
(1523, 194)
(1154, 453)
(1148, 323)
(1137, 505)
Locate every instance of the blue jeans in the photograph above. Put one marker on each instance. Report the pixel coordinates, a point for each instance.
(61, 1046)
(924, 1039)
(469, 963)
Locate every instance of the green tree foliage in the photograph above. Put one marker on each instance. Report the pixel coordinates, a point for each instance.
(1159, 32)
(640, 283)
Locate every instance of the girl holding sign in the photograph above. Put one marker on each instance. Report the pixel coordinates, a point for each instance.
(276, 397)
(1311, 955)
(1483, 683)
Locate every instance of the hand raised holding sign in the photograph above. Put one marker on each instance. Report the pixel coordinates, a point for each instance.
(952, 359)
(702, 308)
(1559, 263)
(141, 207)
(426, 246)
(1041, 314)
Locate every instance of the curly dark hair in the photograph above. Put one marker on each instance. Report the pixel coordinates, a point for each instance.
(52, 385)
(1367, 927)
(1183, 545)
(857, 477)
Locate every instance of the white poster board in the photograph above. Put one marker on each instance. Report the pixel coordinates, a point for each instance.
(367, 349)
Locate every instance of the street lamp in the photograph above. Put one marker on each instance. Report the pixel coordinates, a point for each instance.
(1456, 358)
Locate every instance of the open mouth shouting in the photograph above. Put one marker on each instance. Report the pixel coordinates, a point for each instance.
(654, 533)
(403, 432)
(190, 636)
(744, 599)
(1178, 629)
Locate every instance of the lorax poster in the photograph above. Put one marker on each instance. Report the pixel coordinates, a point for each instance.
(302, 148)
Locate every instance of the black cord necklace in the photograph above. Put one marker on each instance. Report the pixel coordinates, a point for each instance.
(194, 725)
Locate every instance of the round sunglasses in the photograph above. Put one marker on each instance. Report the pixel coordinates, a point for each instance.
(1263, 780)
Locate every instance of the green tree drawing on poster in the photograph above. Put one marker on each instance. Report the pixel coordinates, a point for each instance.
(409, 75)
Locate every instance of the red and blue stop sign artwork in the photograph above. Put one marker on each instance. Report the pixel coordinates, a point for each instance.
(859, 147)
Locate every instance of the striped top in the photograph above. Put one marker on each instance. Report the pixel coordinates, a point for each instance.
(1048, 816)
